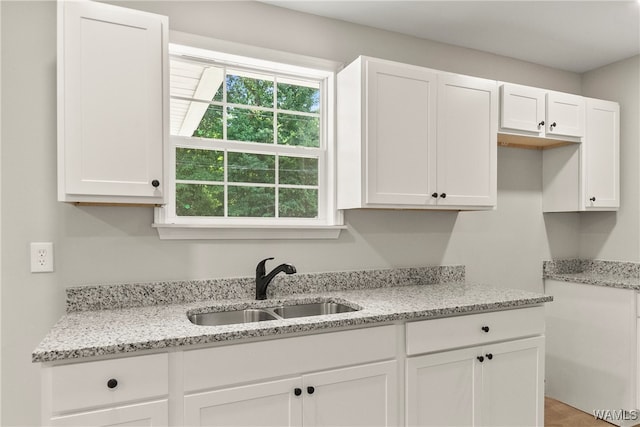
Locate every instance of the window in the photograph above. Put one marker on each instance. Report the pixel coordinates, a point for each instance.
(250, 143)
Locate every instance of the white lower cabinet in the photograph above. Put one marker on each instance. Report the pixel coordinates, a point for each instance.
(478, 369)
(141, 414)
(355, 396)
(128, 391)
(271, 403)
(493, 384)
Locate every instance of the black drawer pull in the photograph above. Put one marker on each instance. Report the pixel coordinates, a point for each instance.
(485, 328)
(112, 383)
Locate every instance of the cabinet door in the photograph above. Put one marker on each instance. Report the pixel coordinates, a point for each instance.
(565, 115)
(359, 396)
(265, 404)
(513, 383)
(522, 108)
(142, 414)
(400, 122)
(111, 103)
(601, 155)
(441, 388)
(467, 141)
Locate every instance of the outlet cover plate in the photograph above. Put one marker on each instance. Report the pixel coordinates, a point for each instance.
(41, 257)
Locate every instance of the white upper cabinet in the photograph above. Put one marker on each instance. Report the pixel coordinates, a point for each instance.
(112, 104)
(601, 156)
(411, 137)
(586, 176)
(522, 109)
(466, 144)
(565, 115)
(540, 113)
(401, 125)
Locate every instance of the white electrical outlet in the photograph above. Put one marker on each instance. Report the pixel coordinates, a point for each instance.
(41, 257)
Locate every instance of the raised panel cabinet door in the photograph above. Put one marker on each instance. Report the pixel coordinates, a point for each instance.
(565, 115)
(601, 155)
(442, 388)
(363, 395)
(513, 383)
(111, 104)
(522, 108)
(141, 414)
(274, 403)
(400, 123)
(467, 141)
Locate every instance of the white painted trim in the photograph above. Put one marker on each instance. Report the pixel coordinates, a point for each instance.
(265, 54)
(239, 232)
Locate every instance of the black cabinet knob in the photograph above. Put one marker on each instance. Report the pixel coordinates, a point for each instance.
(297, 391)
(489, 356)
(434, 195)
(485, 328)
(310, 390)
(480, 359)
(541, 124)
(593, 199)
(552, 125)
(155, 183)
(112, 383)
(443, 195)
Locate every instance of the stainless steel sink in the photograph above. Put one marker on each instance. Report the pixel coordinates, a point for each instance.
(285, 311)
(231, 317)
(314, 309)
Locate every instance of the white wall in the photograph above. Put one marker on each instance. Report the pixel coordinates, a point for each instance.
(616, 235)
(504, 247)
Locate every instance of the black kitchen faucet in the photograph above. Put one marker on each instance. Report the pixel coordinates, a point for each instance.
(263, 280)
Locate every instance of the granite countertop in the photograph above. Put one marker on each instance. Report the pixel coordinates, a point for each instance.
(614, 274)
(89, 333)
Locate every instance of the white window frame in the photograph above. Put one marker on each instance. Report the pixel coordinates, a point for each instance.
(329, 221)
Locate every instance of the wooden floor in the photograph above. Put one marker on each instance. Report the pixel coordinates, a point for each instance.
(557, 414)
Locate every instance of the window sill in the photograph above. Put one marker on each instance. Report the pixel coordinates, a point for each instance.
(234, 232)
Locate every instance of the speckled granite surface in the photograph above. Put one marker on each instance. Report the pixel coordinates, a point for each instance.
(105, 332)
(614, 274)
(108, 297)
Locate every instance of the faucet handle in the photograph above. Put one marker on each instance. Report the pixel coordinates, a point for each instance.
(260, 268)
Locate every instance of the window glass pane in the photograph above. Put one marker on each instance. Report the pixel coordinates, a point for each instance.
(299, 98)
(252, 201)
(298, 130)
(246, 167)
(298, 203)
(298, 170)
(249, 91)
(199, 165)
(198, 119)
(249, 125)
(199, 200)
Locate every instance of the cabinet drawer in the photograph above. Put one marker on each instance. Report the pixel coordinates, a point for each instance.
(85, 385)
(231, 364)
(462, 331)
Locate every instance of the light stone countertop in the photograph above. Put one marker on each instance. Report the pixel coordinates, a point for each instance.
(613, 274)
(88, 333)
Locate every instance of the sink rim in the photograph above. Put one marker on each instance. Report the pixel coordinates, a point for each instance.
(269, 307)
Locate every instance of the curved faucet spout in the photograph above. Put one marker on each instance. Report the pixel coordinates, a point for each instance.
(263, 280)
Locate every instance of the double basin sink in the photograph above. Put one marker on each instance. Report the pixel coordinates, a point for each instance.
(284, 311)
